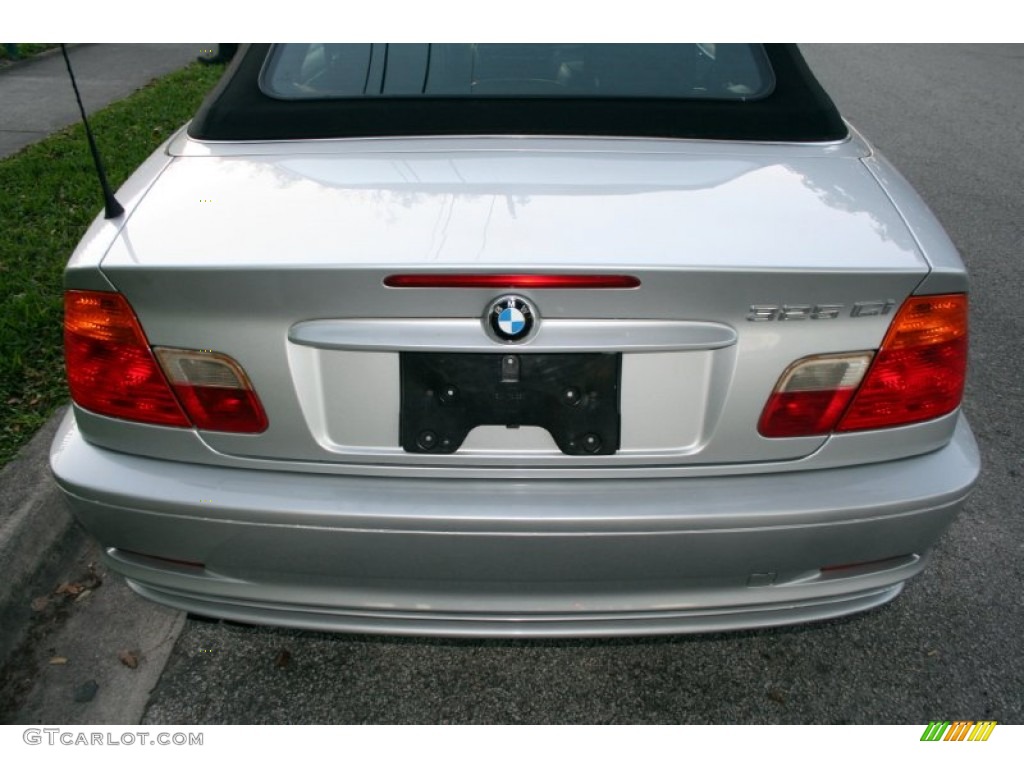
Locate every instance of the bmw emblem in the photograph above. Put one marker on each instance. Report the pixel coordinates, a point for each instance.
(510, 318)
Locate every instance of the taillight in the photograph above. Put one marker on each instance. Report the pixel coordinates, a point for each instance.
(110, 367)
(113, 372)
(917, 374)
(920, 371)
(214, 389)
(812, 394)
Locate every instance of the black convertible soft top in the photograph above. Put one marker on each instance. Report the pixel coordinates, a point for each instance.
(243, 107)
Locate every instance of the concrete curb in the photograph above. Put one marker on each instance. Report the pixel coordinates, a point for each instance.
(89, 638)
(40, 546)
(35, 529)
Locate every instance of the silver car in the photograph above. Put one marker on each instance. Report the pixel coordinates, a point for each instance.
(513, 340)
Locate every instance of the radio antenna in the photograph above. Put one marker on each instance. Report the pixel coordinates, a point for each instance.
(112, 207)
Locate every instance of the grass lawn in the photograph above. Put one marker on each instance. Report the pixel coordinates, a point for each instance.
(24, 50)
(50, 195)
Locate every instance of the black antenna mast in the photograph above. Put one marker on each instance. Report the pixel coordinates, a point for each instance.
(110, 204)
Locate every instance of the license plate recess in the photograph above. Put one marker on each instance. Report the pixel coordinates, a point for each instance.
(575, 397)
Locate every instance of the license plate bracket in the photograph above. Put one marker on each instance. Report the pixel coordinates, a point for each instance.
(575, 397)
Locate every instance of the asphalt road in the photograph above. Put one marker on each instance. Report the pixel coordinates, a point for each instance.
(948, 116)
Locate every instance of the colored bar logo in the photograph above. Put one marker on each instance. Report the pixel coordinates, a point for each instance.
(958, 730)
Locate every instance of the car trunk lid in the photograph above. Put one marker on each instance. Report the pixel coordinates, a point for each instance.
(748, 257)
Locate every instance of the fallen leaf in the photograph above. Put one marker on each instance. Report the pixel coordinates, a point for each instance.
(92, 580)
(58, 660)
(40, 603)
(283, 657)
(933, 652)
(69, 588)
(85, 593)
(129, 658)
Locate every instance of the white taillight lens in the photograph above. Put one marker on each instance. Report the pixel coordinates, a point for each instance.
(813, 394)
(213, 388)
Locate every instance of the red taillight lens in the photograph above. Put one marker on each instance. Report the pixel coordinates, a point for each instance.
(918, 374)
(110, 367)
(920, 371)
(113, 372)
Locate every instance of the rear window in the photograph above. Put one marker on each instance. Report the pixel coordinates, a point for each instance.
(722, 92)
(713, 71)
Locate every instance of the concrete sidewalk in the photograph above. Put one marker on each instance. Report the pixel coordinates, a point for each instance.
(36, 98)
(39, 543)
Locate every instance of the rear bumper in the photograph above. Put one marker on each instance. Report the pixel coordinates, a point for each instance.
(520, 557)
